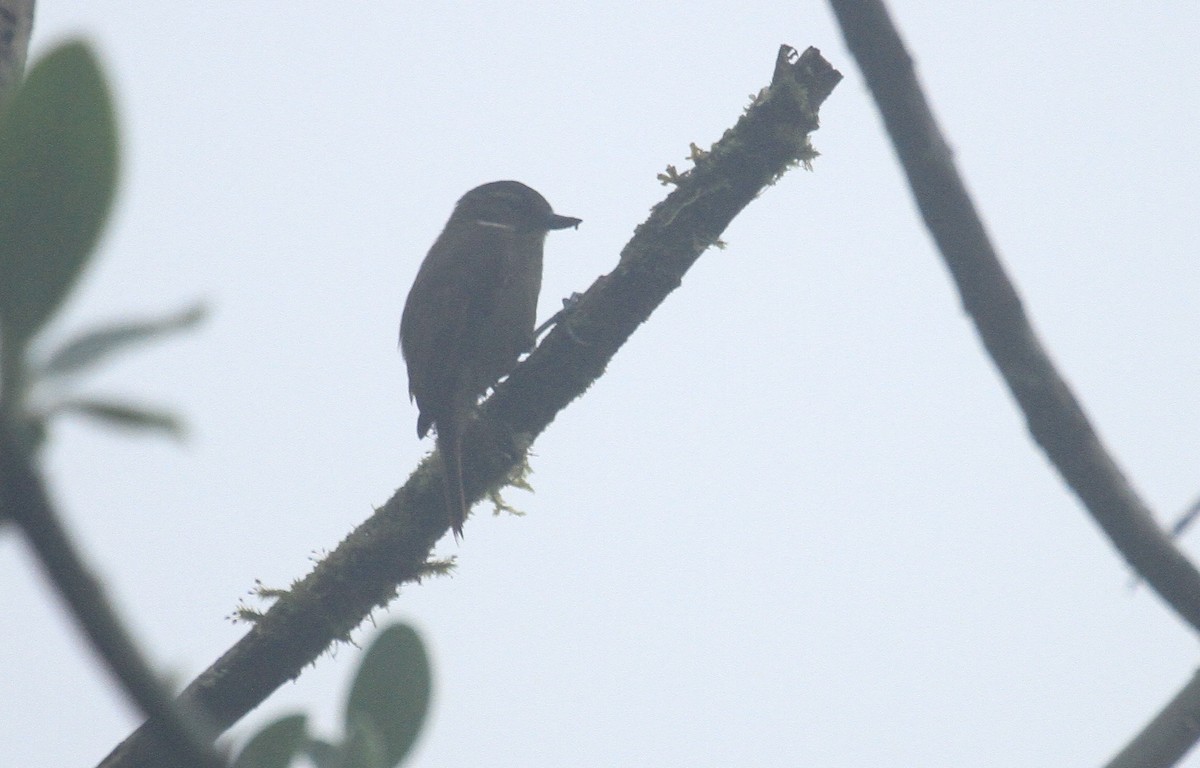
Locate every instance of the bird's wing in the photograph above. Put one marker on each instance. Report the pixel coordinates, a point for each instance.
(455, 291)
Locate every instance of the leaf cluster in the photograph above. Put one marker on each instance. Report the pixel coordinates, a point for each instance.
(58, 179)
(387, 705)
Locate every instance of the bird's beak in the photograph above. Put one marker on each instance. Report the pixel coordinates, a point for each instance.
(562, 222)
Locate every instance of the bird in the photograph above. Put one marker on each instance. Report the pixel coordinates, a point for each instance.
(471, 312)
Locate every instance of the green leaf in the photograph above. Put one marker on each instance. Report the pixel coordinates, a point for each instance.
(93, 346)
(392, 689)
(365, 746)
(58, 171)
(123, 415)
(275, 745)
(322, 754)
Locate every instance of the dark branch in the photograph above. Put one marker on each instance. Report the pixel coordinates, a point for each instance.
(1056, 419)
(1168, 737)
(23, 500)
(393, 546)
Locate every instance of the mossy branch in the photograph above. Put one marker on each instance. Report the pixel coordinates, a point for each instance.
(393, 546)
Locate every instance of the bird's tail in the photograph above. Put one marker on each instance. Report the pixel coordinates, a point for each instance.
(449, 443)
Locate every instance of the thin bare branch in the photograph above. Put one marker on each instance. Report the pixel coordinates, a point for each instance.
(1055, 417)
(23, 500)
(1168, 737)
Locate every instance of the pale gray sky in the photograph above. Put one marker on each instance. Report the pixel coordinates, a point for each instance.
(799, 521)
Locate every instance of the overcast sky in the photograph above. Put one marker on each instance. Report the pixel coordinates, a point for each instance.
(798, 522)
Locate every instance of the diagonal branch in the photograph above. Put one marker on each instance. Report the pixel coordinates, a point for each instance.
(393, 546)
(1168, 736)
(1056, 419)
(23, 499)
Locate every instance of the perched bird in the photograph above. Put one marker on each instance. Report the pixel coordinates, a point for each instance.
(471, 312)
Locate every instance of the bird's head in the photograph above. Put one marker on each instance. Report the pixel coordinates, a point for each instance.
(510, 205)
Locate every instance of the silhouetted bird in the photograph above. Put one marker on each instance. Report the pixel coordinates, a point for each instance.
(471, 312)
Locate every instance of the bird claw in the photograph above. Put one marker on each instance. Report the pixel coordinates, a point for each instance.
(568, 304)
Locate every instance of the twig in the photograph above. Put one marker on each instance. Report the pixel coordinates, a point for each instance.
(1056, 419)
(1168, 737)
(392, 547)
(23, 500)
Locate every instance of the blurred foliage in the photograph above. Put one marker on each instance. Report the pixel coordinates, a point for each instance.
(58, 164)
(58, 174)
(384, 713)
(58, 177)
